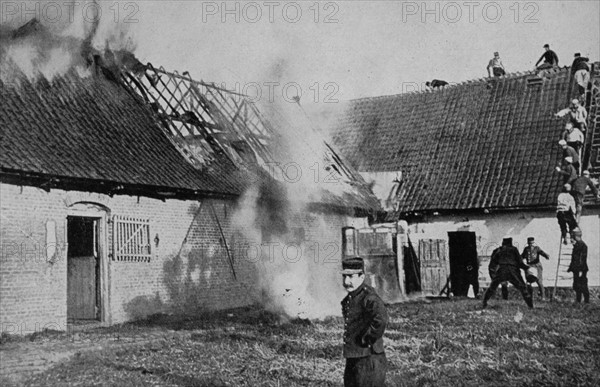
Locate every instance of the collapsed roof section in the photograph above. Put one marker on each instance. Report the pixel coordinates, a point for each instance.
(202, 119)
(97, 98)
(206, 122)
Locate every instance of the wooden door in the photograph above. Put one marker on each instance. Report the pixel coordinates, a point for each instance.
(82, 268)
(433, 254)
(81, 288)
(377, 247)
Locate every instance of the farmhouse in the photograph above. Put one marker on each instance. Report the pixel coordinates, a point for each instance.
(467, 164)
(127, 190)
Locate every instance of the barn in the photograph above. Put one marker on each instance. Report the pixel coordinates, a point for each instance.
(127, 190)
(464, 165)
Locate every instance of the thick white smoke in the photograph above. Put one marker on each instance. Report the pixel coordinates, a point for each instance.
(45, 38)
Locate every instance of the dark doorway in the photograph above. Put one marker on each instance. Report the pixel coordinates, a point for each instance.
(412, 268)
(83, 269)
(464, 268)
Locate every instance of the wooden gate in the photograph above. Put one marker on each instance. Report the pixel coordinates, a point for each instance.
(377, 247)
(435, 269)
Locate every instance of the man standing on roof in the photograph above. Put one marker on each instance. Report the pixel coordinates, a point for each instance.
(577, 115)
(579, 268)
(496, 65)
(549, 57)
(573, 137)
(365, 318)
(581, 71)
(531, 255)
(505, 265)
(579, 187)
(565, 212)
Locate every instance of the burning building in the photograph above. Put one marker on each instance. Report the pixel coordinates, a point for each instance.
(129, 190)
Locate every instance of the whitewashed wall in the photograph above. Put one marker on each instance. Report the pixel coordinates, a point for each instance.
(491, 228)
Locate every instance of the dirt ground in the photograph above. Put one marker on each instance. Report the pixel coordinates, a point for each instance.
(428, 343)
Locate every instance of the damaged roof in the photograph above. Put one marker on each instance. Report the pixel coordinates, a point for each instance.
(87, 127)
(111, 124)
(205, 122)
(485, 144)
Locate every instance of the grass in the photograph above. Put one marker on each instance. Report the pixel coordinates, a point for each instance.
(441, 343)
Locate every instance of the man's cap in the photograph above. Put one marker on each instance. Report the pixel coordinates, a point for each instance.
(496, 53)
(353, 266)
(586, 172)
(576, 232)
(575, 101)
(562, 142)
(546, 45)
(577, 54)
(568, 125)
(569, 159)
(530, 239)
(567, 187)
(506, 240)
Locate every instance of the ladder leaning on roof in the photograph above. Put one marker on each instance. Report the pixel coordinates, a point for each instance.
(591, 148)
(564, 259)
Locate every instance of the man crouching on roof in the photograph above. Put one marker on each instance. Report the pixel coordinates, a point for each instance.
(365, 318)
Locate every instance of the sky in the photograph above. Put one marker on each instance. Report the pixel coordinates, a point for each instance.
(353, 49)
(331, 50)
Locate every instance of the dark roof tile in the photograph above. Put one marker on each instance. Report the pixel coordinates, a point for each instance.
(91, 128)
(480, 144)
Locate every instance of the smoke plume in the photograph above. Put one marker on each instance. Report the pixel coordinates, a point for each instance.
(300, 248)
(47, 39)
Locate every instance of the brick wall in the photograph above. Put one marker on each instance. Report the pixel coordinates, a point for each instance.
(189, 270)
(32, 291)
(191, 275)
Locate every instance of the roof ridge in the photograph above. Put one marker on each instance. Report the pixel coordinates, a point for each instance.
(508, 76)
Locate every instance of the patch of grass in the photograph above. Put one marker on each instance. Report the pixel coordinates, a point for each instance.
(441, 343)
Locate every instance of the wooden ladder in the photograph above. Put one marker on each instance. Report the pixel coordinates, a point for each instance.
(591, 149)
(564, 259)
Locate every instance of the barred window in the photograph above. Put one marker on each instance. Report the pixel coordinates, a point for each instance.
(131, 239)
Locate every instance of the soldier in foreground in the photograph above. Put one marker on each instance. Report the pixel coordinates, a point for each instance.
(365, 318)
(579, 268)
(504, 266)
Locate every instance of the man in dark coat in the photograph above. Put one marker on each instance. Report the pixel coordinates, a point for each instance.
(365, 318)
(549, 57)
(568, 171)
(581, 71)
(569, 151)
(578, 189)
(504, 266)
(579, 268)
